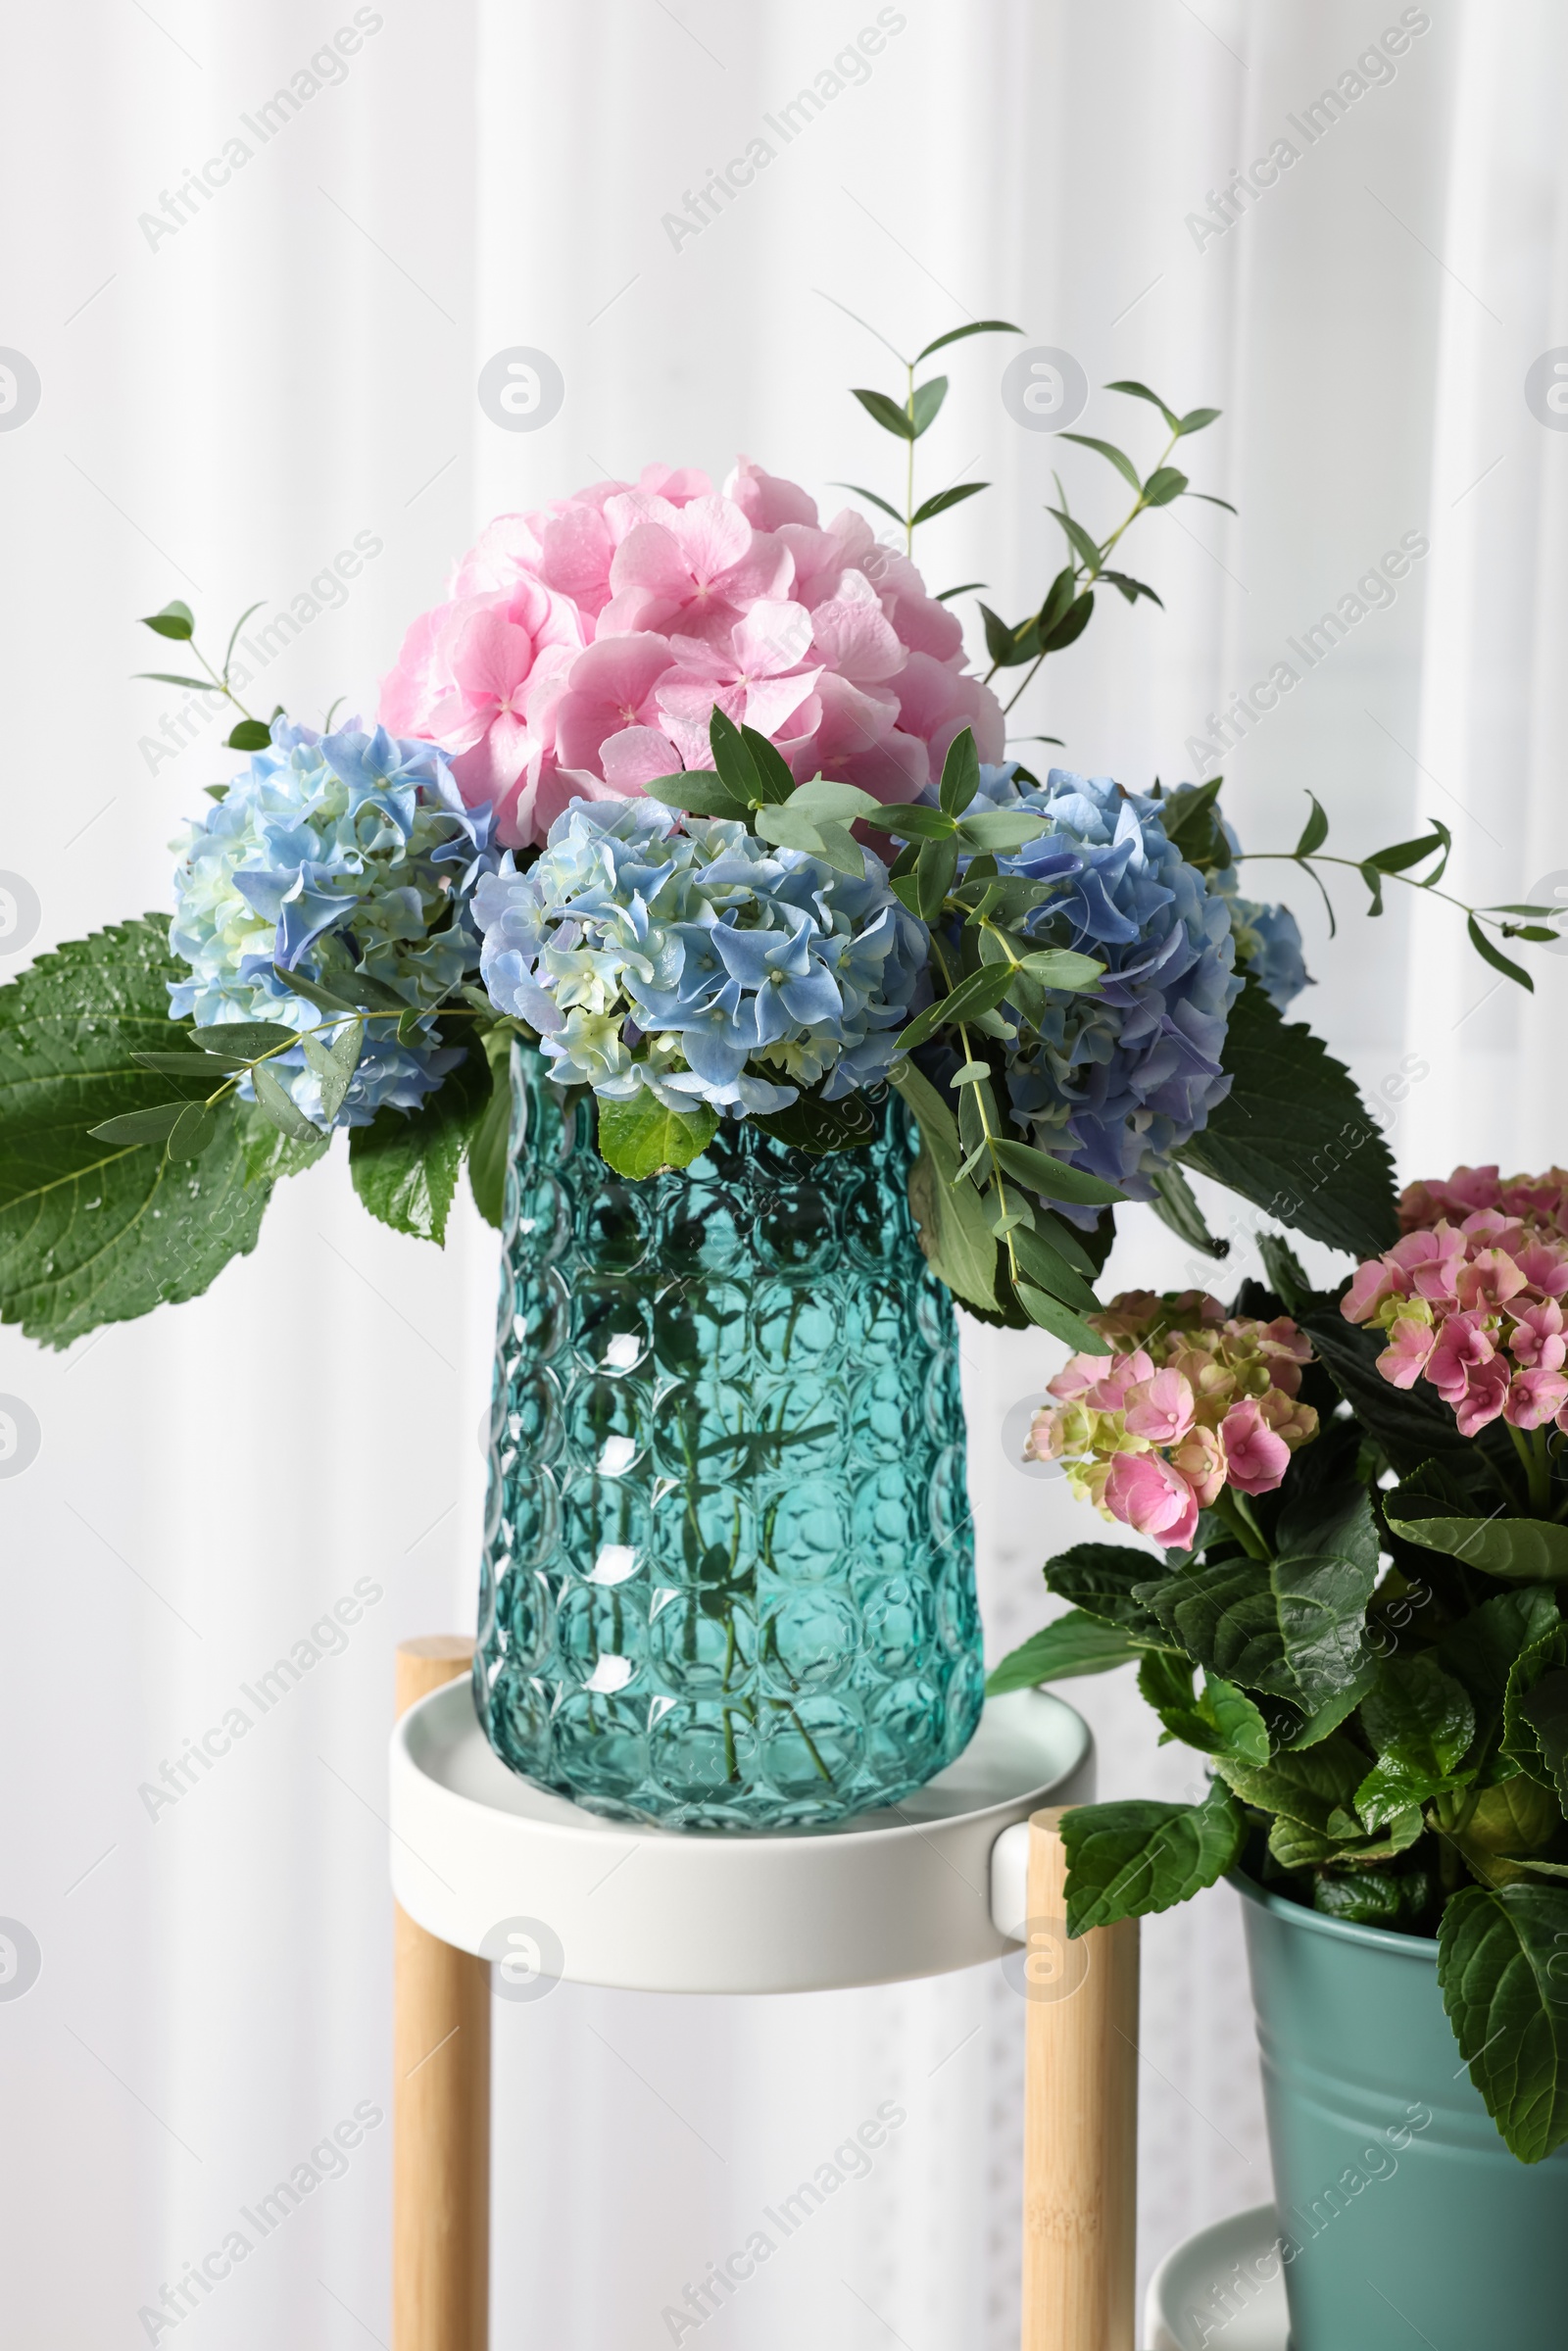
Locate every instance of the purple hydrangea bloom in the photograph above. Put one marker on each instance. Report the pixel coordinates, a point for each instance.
(1116, 1081)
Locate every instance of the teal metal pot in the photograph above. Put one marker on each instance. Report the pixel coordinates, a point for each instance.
(1403, 2217)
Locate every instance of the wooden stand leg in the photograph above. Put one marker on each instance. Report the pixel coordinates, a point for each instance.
(441, 2102)
(1080, 2142)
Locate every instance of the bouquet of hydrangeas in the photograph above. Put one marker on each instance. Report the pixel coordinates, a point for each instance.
(702, 797)
(1363, 1510)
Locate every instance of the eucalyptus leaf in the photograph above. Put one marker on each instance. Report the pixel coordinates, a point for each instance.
(949, 1213)
(192, 1132)
(887, 414)
(275, 1099)
(927, 403)
(174, 620)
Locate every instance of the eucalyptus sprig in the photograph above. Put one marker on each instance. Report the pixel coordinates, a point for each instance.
(910, 419)
(1396, 865)
(1069, 600)
(178, 621)
(985, 1190)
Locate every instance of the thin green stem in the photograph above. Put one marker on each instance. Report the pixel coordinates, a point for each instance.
(1531, 1448)
(1084, 575)
(909, 476)
(1289, 856)
(1232, 1507)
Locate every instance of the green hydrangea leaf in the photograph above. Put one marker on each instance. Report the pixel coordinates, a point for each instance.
(1075, 1643)
(492, 1135)
(1497, 1953)
(404, 1164)
(640, 1137)
(1293, 1628)
(94, 1232)
(1294, 1135)
(1126, 1860)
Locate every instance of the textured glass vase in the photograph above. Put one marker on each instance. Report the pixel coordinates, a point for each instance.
(729, 1573)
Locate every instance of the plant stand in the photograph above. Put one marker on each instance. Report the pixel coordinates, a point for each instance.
(486, 1868)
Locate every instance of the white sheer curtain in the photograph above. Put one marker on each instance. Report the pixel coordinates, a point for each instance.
(224, 405)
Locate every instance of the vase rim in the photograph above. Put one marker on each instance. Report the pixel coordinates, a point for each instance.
(1297, 1914)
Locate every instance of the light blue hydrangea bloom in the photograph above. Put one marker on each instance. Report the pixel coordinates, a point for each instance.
(703, 964)
(337, 855)
(1268, 938)
(1120, 1079)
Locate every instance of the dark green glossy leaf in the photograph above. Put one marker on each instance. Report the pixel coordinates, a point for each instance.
(92, 1232)
(1176, 1205)
(1105, 1578)
(981, 992)
(1009, 647)
(1294, 1135)
(811, 1124)
(405, 1165)
(1072, 1644)
(1294, 1627)
(249, 734)
(488, 1145)
(1524, 1551)
(1500, 1967)
(1127, 1860)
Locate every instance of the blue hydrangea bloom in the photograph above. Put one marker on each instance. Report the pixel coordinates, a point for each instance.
(1119, 1080)
(339, 855)
(1268, 938)
(701, 964)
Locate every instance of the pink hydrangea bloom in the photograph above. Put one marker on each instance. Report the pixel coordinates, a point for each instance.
(1256, 1456)
(1145, 1491)
(582, 648)
(1192, 1400)
(1470, 1297)
(1160, 1408)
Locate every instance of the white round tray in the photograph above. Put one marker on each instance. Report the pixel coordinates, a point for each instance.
(1223, 2286)
(493, 1864)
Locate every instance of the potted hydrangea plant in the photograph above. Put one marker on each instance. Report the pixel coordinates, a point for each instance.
(1356, 1622)
(684, 891)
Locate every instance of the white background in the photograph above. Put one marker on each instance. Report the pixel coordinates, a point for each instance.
(222, 410)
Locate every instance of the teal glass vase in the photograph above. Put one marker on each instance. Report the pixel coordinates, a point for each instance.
(729, 1572)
